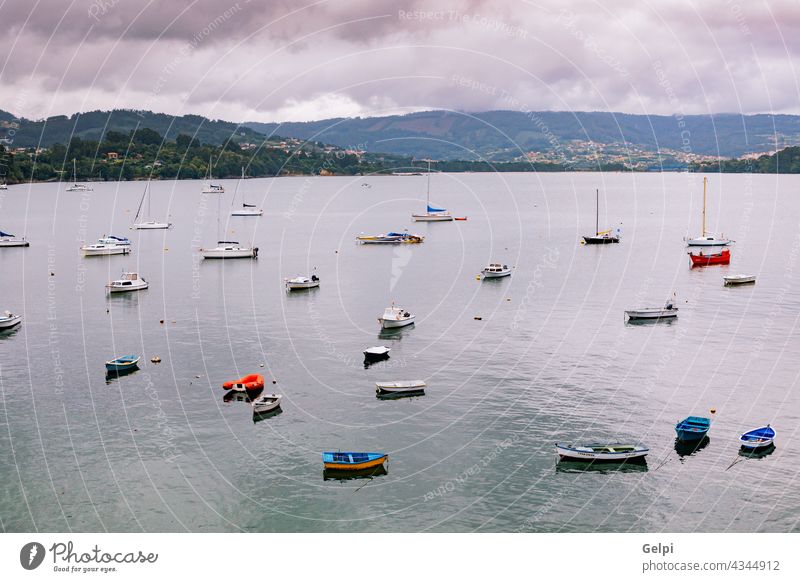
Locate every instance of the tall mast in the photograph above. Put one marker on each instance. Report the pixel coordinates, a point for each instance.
(74, 171)
(705, 180)
(428, 195)
(597, 212)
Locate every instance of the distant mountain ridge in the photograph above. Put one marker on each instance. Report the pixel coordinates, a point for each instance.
(503, 135)
(92, 125)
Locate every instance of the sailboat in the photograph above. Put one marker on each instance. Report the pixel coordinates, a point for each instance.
(208, 186)
(246, 209)
(76, 186)
(148, 223)
(600, 238)
(228, 249)
(707, 239)
(432, 214)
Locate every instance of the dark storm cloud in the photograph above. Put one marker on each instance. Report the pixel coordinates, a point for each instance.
(289, 60)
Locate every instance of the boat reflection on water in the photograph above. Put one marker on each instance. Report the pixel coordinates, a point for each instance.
(689, 448)
(628, 466)
(655, 321)
(342, 475)
(241, 396)
(394, 333)
(111, 376)
(759, 453)
(259, 416)
(397, 396)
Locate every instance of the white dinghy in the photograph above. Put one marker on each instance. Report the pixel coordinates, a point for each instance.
(740, 279)
(403, 387)
(302, 283)
(266, 403)
(9, 320)
(669, 311)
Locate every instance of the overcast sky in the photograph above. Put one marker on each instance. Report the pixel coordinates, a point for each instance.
(279, 60)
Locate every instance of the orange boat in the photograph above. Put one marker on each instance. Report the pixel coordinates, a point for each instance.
(701, 260)
(249, 382)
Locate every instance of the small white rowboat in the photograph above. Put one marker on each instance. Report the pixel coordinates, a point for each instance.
(9, 320)
(266, 403)
(302, 283)
(668, 311)
(400, 387)
(601, 452)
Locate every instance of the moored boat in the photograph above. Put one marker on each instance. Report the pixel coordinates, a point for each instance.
(707, 239)
(114, 240)
(77, 186)
(395, 317)
(266, 403)
(250, 382)
(9, 320)
(692, 428)
(495, 271)
(352, 461)
(758, 438)
(390, 238)
(732, 280)
(376, 353)
(148, 223)
(128, 282)
(103, 249)
(9, 240)
(702, 260)
(602, 452)
(401, 387)
(208, 186)
(432, 214)
(600, 237)
(302, 283)
(230, 250)
(653, 313)
(123, 363)
(246, 209)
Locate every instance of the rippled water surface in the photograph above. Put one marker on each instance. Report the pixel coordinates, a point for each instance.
(550, 359)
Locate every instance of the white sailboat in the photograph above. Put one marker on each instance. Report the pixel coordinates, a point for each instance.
(208, 186)
(707, 239)
(147, 223)
(9, 240)
(432, 214)
(246, 209)
(77, 186)
(228, 249)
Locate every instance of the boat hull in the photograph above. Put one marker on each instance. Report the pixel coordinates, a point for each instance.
(701, 260)
(739, 280)
(394, 323)
(305, 285)
(600, 240)
(431, 217)
(759, 438)
(705, 242)
(126, 288)
(152, 226)
(122, 366)
(103, 252)
(229, 253)
(495, 275)
(400, 387)
(331, 464)
(651, 314)
(9, 322)
(272, 403)
(608, 455)
(247, 213)
(9, 242)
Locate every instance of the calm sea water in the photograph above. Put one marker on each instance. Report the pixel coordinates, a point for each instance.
(551, 359)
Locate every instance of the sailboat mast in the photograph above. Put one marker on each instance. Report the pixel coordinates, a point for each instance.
(428, 195)
(705, 180)
(597, 212)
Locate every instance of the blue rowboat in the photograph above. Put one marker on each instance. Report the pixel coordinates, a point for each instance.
(123, 363)
(692, 428)
(758, 438)
(349, 461)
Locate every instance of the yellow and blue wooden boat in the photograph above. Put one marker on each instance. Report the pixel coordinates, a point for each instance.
(349, 461)
(123, 364)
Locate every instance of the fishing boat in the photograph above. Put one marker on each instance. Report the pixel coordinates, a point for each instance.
(147, 223)
(702, 260)
(600, 238)
(758, 438)
(376, 353)
(495, 271)
(602, 452)
(390, 238)
(349, 461)
(9, 240)
(77, 186)
(402, 387)
(395, 317)
(302, 283)
(432, 214)
(9, 320)
(128, 282)
(692, 428)
(707, 239)
(248, 383)
(114, 240)
(246, 209)
(266, 403)
(99, 249)
(208, 186)
(654, 313)
(123, 363)
(732, 280)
